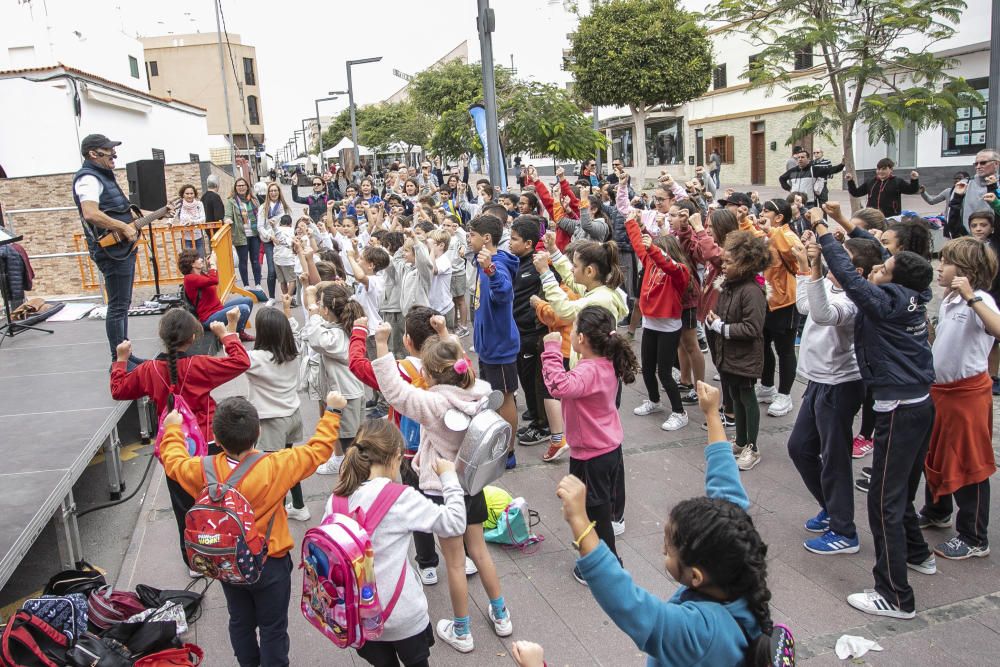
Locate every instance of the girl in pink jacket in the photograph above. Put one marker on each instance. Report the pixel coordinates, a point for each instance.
(450, 385)
(593, 428)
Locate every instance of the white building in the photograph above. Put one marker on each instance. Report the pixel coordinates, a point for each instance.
(64, 76)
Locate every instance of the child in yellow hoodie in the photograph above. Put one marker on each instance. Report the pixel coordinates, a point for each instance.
(263, 605)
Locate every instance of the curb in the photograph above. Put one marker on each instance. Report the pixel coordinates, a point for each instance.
(147, 506)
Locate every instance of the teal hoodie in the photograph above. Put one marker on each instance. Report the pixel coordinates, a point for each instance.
(494, 331)
(686, 630)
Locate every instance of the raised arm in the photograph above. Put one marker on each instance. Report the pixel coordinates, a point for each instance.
(560, 382)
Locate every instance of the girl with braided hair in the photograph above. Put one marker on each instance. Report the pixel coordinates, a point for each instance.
(720, 613)
(191, 376)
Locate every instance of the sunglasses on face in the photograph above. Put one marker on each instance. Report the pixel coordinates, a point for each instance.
(983, 163)
(318, 184)
(103, 154)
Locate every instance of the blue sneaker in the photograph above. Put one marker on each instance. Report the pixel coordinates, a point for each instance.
(819, 523)
(832, 543)
(511, 461)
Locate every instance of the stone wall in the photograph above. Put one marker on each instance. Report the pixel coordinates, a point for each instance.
(51, 232)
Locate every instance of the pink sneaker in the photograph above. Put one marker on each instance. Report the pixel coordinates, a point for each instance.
(862, 447)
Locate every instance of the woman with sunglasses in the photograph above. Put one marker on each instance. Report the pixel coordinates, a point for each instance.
(322, 192)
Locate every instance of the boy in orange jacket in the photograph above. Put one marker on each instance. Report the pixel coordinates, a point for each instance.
(264, 604)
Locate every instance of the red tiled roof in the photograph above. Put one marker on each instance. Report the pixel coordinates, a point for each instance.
(114, 84)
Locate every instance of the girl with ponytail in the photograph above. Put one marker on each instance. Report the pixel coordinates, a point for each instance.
(332, 312)
(192, 376)
(368, 468)
(720, 614)
(593, 428)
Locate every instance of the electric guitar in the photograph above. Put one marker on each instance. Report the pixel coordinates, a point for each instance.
(116, 244)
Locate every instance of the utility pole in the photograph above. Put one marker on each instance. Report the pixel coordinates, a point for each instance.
(350, 95)
(486, 23)
(225, 89)
(993, 106)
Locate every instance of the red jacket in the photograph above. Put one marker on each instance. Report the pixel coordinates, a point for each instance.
(702, 249)
(205, 283)
(664, 281)
(197, 376)
(555, 209)
(361, 366)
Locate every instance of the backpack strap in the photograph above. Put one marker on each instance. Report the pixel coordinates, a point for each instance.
(382, 504)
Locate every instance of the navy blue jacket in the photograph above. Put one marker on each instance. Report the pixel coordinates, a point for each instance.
(112, 198)
(890, 330)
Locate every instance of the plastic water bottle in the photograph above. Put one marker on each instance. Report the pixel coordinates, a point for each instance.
(370, 610)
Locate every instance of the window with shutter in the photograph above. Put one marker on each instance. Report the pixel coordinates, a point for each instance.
(719, 77)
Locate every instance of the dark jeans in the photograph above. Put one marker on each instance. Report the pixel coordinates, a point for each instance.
(263, 606)
(251, 252)
(973, 518)
(659, 350)
(779, 329)
(272, 275)
(529, 373)
(820, 448)
(244, 303)
(901, 440)
(118, 278)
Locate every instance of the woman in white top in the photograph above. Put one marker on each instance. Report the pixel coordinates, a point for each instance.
(192, 212)
(268, 216)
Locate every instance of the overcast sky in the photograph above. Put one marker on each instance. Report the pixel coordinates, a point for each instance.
(302, 47)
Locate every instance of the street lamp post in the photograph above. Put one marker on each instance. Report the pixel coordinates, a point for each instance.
(350, 94)
(334, 94)
(485, 21)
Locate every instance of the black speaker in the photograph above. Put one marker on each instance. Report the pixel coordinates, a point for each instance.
(147, 184)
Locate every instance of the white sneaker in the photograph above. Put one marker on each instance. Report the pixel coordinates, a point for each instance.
(764, 394)
(716, 377)
(270, 302)
(648, 407)
(429, 575)
(929, 566)
(297, 514)
(331, 467)
(873, 603)
(445, 630)
(780, 406)
(470, 567)
(676, 420)
(748, 458)
(618, 527)
(503, 627)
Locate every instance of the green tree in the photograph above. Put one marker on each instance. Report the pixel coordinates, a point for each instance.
(875, 63)
(339, 127)
(389, 123)
(542, 119)
(640, 54)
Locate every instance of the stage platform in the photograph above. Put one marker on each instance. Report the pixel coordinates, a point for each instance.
(56, 414)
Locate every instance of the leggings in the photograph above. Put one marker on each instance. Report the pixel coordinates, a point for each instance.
(746, 409)
(298, 502)
(784, 345)
(868, 416)
(727, 399)
(659, 350)
(249, 252)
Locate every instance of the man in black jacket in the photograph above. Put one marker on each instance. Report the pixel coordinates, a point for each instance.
(215, 210)
(524, 236)
(885, 190)
(808, 176)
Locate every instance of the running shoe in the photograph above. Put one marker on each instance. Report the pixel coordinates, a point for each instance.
(676, 421)
(555, 451)
(832, 543)
(647, 407)
(819, 523)
(929, 522)
(445, 630)
(862, 447)
(958, 549)
(873, 603)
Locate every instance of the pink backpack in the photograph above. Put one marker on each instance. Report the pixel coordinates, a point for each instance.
(195, 439)
(339, 595)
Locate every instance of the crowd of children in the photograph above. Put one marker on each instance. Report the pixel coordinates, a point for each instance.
(377, 291)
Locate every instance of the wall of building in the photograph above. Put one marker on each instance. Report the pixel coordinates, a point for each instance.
(188, 69)
(60, 231)
(40, 134)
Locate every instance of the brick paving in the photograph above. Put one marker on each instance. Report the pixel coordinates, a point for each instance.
(959, 608)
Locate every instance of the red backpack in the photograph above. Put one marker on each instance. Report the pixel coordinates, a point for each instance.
(220, 534)
(28, 641)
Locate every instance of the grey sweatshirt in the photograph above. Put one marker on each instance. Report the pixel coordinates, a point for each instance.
(391, 542)
(826, 353)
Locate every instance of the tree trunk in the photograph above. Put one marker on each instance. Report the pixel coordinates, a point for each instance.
(639, 143)
(847, 143)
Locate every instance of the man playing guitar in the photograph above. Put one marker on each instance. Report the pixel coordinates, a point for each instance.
(105, 210)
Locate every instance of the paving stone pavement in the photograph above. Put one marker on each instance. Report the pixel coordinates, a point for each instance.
(959, 608)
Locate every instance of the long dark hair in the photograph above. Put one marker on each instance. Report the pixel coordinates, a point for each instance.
(723, 222)
(913, 235)
(604, 258)
(377, 442)
(718, 537)
(177, 327)
(274, 335)
(336, 297)
(598, 326)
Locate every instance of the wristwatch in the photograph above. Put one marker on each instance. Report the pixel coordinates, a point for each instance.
(974, 300)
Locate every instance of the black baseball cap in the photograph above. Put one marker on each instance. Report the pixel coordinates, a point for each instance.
(92, 142)
(737, 199)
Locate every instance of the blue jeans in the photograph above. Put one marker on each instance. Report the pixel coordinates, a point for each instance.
(244, 303)
(272, 275)
(261, 606)
(249, 251)
(118, 277)
(198, 244)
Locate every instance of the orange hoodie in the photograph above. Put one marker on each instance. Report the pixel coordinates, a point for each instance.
(780, 275)
(266, 485)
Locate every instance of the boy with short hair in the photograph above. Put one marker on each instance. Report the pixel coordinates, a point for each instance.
(495, 334)
(439, 296)
(894, 357)
(459, 284)
(261, 606)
